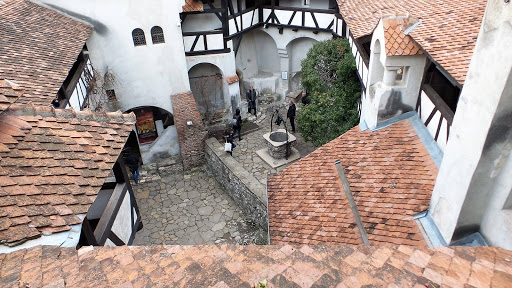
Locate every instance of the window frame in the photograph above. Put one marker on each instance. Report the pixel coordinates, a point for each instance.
(157, 33)
(140, 38)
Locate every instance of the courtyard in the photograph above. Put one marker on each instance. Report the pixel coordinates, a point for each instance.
(191, 208)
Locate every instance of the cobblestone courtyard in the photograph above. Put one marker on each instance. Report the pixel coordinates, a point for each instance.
(191, 208)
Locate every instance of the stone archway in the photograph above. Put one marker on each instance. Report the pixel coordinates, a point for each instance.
(156, 133)
(207, 85)
(297, 50)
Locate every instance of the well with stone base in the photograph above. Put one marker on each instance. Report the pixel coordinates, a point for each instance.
(277, 145)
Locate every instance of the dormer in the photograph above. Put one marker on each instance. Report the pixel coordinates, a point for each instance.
(396, 70)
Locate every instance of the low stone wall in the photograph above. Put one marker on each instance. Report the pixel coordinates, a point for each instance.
(248, 193)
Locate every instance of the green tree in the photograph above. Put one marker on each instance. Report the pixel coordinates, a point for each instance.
(329, 75)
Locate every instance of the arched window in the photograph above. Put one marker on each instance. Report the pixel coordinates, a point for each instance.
(138, 37)
(157, 34)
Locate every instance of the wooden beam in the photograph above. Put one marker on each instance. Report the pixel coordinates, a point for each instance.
(352, 202)
(108, 217)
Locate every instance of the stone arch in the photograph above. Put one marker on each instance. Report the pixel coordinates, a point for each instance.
(207, 85)
(297, 50)
(151, 121)
(258, 54)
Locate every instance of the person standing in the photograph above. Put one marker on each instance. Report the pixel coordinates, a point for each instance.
(251, 99)
(229, 139)
(237, 124)
(291, 115)
(305, 98)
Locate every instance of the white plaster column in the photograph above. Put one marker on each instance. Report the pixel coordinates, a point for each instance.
(285, 67)
(480, 140)
(390, 75)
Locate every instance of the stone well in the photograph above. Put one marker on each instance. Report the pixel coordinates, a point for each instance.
(276, 143)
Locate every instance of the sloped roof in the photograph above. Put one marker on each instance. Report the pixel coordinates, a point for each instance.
(8, 94)
(39, 46)
(397, 42)
(192, 5)
(448, 30)
(52, 165)
(242, 266)
(391, 176)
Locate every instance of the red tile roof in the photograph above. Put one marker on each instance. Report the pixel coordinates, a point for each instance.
(52, 165)
(448, 30)
(242, 266)
(391, 176)
(397, 43)
(8, 94)
(192, 5)
(39, 46)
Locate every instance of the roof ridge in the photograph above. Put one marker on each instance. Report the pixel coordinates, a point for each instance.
(49, 111)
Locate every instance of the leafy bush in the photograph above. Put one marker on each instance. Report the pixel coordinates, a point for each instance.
(329, 75)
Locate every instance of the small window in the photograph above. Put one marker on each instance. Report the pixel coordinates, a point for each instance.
(111, 95)
(157, 35)
(139, 38)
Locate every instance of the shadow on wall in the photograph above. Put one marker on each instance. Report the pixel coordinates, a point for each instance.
(394, 106)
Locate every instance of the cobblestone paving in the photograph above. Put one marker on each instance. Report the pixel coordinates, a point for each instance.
(191, 208)
(245, 152)
(187, 208)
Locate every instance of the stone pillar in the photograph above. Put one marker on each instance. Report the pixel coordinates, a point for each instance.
(481, 136)
(285, 67)
(190, 128)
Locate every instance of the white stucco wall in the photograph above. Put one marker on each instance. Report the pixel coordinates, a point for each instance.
(146, 75)
(247, 59)
(496, 225)
(122, 226)
(297, 51)
(474, 157)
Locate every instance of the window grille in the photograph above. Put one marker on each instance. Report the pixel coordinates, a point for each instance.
(157, 35)
(138, 37)
(111, 95)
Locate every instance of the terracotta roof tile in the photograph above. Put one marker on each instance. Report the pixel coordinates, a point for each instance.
(44, 188)
(192, 5)
(8, 94)
(397, 43)
(29, 32)
(448, 30)
(391, 176)
(242, 266)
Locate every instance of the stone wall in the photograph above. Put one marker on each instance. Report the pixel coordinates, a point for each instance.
(248, 193)
(191, 138)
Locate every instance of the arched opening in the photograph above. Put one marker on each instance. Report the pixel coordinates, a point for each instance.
(298, 50)
(151, 122)
(138, 36)
(157, 35)
(259, 60)
(206, 83)
(377, 69)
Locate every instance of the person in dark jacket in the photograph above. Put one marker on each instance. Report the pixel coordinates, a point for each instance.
(305, 98)
(237, 124)
(291, 115)
(251, 99)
